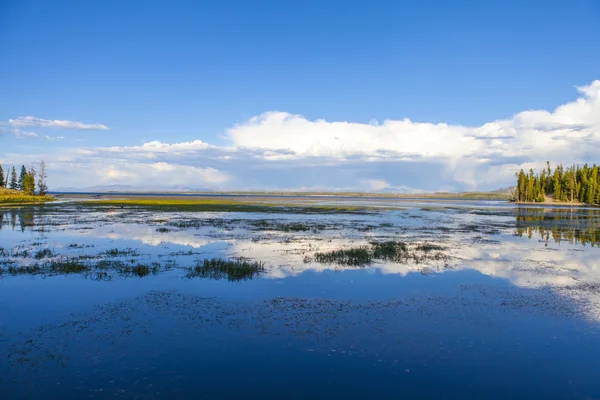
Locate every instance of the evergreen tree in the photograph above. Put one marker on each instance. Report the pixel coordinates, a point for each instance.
(21, 177)
(556, 184)
(539, 196)
(574, 183)
(530, 186)
(13, 179)
(1, 176)
(29, 183)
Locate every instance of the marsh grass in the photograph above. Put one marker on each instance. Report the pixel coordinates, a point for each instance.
(428, 247)
(44, 253)
(25, 270)
(391, 251)
(68, 266)
(356, 256)
(21, 254)
(237, 269)
(120, 253)
(221, 205)
(101, 270)
(269, 225)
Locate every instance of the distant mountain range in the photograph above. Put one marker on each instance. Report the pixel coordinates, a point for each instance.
(129, 189)
(188, 189)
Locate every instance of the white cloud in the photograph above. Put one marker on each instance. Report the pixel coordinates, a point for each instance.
(278, 150)
(377, 184)
(52, 138)
(24, 135)
(58, 124)
(158, 174)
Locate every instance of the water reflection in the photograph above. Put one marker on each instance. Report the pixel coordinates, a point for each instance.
(22, 218)
(572, 226)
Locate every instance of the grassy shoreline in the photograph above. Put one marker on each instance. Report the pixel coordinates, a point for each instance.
(220, 205)
(9, 197)
(311, 195)
(556, 203)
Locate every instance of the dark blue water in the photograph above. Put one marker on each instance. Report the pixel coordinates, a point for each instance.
(512, 312)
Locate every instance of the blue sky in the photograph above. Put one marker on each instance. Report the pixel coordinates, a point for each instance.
(239, 76)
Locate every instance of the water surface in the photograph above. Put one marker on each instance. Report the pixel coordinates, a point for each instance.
(494, 301)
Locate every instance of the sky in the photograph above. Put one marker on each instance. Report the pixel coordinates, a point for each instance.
(298, 95)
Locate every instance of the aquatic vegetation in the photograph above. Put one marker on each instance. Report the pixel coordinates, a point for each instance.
(44, 253)
(220, 205)
(389, 250)
(233, 270)
(394, 251)
(356, 256)
(120, 253)
(78, 246)
(24, 270)
(66, 267)
(162, 229)
(427, 247)
(21, 254)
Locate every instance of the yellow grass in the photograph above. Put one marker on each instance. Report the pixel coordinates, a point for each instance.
(9, 196)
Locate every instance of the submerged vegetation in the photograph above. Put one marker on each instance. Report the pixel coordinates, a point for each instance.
(238, 269)
(392, 251)
(356, 256)
(75, 265)
(220, 205)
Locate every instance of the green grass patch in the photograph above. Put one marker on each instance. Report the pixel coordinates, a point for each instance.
(220, 205)
(120, 253)
(390, 251)
(232, 270)
(12, 197)
(44, 253)
(356, 256)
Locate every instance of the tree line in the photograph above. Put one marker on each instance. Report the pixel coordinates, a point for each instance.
(571, 184)
(27, 180)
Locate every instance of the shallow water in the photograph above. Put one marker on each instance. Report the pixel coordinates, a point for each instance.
(506, 305)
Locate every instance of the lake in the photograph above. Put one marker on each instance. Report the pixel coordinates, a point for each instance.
(400, 299)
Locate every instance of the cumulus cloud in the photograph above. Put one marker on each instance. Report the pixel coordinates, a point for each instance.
(158, 174)
(529, 134)
(57, 124)
(279, 150)
(24, 135)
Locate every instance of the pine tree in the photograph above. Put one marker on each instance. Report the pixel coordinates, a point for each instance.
(530, 186)
(21, 177)
(521, 186)
(29, 183)
(537, 189)
(556, 185)
(1, 176)
(13, 179)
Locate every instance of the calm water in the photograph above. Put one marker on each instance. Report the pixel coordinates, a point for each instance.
(493, 302)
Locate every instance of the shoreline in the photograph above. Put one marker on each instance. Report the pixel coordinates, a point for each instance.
(555, 203)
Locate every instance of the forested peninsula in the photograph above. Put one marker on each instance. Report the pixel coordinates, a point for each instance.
(573, 184)
(29, 187)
